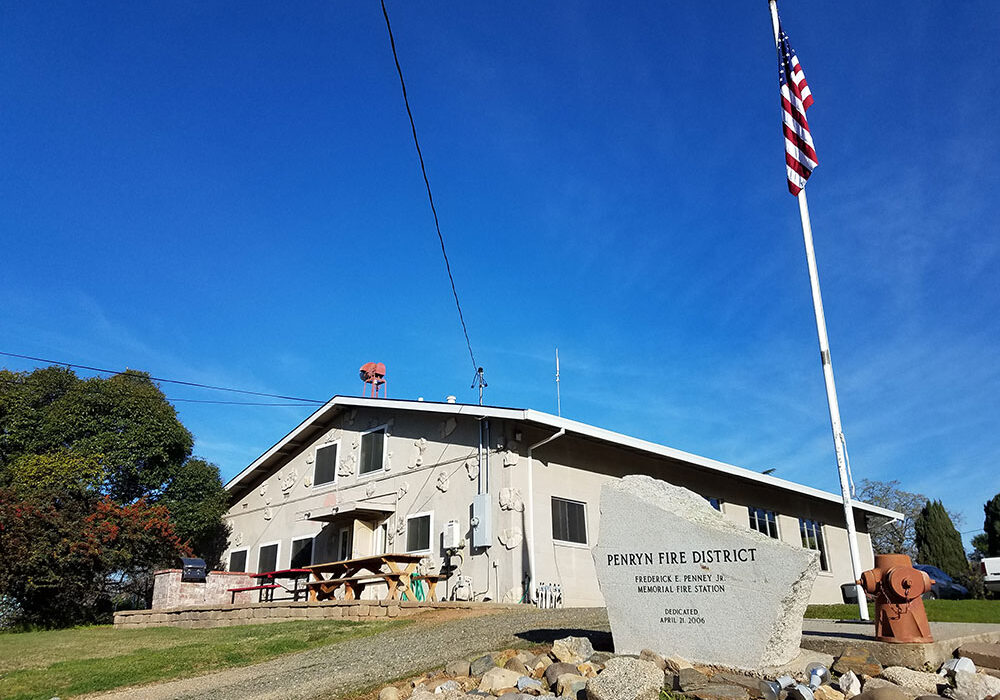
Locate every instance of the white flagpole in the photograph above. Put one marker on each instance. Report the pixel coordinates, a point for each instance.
(831, 389)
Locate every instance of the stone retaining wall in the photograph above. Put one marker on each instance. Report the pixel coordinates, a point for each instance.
(225, 615)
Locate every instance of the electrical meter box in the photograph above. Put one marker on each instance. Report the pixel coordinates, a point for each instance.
(452, 535)
(482, 521)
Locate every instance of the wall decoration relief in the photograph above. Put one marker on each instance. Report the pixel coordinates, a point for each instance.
(347, 465)
(404, 487)
(289, 479)
(307, 480)
(311, 457)
(238, 539)
(421, 447)
(511, 538)
(370, 489)
(263, 488)
(472, 469)
(388, 460)
(510, 458)
(267, 513)
(510, 499)
(443, 482)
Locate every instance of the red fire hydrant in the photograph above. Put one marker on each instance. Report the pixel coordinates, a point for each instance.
(899, 608)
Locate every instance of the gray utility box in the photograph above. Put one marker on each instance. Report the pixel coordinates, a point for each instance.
(482, 521)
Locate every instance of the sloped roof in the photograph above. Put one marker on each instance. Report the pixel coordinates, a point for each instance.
(316, 423)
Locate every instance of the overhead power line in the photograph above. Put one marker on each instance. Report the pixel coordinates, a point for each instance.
(180, 382)
(430, 197)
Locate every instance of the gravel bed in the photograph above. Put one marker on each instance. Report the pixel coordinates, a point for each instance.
(340, 669)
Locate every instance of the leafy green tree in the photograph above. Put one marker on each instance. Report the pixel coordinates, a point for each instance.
(938, 541)
(980, 547)
(197, 503)
(97, 488)
(124, 421)
(991, 526)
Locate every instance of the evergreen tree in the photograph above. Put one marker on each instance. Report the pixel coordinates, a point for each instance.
(992, 526)
(938, 542)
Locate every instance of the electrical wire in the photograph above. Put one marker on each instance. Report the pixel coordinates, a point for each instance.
(156, 399)
(430, 197)
(161, 379)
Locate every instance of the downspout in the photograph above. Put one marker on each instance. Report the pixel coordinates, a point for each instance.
(531, 508)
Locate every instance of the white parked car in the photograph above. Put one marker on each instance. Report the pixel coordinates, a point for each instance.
(991, 573)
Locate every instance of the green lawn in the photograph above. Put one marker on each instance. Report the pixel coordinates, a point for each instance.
(937, 611)
(89, 659)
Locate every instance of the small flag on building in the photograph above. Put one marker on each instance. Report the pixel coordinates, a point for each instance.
(800, 156)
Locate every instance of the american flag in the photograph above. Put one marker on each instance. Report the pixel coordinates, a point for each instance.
(800, 156)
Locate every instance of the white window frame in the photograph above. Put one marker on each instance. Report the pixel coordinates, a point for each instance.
(586, 524)
(229, 559)
(824, 552)
(349, 529)
(291, 548)
(277, 555)
(777, 521)
(430, 533)
(325, 484)
(385, 450)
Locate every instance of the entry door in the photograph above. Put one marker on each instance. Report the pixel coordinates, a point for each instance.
(344, 541)
(378, 538)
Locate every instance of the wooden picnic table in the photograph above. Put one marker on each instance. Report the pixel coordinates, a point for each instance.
(295, 575)
(354, 574)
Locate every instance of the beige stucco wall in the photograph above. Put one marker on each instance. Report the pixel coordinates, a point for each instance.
(441, 478)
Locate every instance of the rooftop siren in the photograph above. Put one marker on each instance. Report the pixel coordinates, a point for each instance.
(373, 374)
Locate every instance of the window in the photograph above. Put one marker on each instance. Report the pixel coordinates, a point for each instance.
(238, 560)
(569, 521)
(302, 553)
(372, 451)
(764, 521)
(267, 558)
(418, 533)
(345, 542)
(714, 502)
(325, 468)
(812, 538)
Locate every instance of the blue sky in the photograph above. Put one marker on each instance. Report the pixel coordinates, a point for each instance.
(228, 193)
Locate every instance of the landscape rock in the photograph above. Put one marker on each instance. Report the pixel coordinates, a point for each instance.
(983, 654)
(850, 685)
(870, 685)
(515, 664)
(601, 657)
(527, 682)
(587, 669)
(720, 691)
(542, 661)
(498, 679)
(922, 683)
(729, 678)
(676, 575)
(972, 686)
(481, 665)
(557, 669)
(570, 684)
(447, 686)
(572, 649)
(859, 660)
(389, 693)
(516, 696)
(676, 663)
(827, 692)
(459, 667)
(626, 679)
(650, 655)
(690, 678)
(886, 692)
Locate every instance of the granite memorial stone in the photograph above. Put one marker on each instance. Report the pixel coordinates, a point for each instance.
(680, 579)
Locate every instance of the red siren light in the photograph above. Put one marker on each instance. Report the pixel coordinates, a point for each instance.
(373, 374)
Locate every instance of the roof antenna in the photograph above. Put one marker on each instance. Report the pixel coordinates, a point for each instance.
(558, 400)
(479, 381)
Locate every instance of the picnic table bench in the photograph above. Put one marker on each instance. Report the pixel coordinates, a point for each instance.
(396, 570)
(268, 584)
